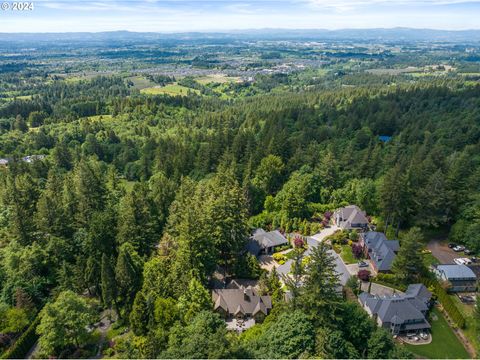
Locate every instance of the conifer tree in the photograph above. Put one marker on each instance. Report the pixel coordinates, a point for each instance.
(408, 265)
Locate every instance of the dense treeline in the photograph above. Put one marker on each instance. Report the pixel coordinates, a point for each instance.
(141, 200)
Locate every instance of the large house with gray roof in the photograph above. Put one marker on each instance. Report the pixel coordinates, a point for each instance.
(379, 249)
(350, 217)
(460, 277)
(340, 268)
(400, 313)
(263, 242)
(241, 303)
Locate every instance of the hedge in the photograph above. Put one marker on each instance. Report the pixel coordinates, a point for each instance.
(24, 343)
(446, 301)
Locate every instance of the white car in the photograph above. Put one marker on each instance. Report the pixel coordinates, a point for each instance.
(462, 261)
(459, 248)
(424, 336)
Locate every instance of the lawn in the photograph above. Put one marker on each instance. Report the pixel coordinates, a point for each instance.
(216, 78)
(347, 255)
(172, 89)
(444, 345)
(140, 82)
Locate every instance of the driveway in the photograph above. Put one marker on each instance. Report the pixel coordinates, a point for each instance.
(442, 252)
(353, 268)
(266, 262)
(325, 232)
(379, 290)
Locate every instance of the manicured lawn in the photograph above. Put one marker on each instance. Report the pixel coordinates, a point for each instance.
(347, 255)
(444, 345)
(172, 89)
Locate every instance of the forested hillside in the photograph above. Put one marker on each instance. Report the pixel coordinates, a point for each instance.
(141, 198)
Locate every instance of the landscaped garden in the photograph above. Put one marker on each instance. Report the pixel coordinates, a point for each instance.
(444, 345)
(347, 254)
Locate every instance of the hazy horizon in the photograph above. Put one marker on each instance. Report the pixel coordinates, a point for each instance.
(173, 16)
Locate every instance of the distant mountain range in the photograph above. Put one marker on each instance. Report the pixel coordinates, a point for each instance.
(387, 35)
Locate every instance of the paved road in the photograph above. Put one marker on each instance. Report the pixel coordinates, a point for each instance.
(32, 351)
(442, 252)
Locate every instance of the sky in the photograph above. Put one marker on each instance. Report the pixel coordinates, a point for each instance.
(222, 15)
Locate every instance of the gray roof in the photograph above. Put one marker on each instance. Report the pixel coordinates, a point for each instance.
(351, 214)
(381, 250)
(340, 267)
(399, 309)
(457, 272)
(418, 291)
(262, 240)
(246, 301)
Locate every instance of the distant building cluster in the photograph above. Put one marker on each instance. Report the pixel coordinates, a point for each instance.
(28, 159)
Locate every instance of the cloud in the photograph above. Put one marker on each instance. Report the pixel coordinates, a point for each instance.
(346, 5)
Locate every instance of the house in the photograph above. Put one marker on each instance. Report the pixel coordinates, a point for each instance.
(239, 302)
(340, 268)
(379, 249)
(399, 313)
(350, 217)
(460, 277)
(263, 242)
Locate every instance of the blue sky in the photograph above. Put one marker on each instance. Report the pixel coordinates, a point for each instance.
(214, 15)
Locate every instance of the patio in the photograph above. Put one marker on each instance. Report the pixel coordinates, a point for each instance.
(239, 325)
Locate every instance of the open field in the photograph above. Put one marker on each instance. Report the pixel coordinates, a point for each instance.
(217, 78)
(140, 82)
(173, 89)
(444, 345)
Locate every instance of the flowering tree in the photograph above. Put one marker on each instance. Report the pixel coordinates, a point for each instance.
(298, 242)
(364, 275)
(357, 251)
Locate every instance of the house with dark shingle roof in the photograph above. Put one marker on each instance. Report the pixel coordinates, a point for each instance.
(460, 277)
(379, 250)
(340, 268)
(262, 242)
(400, 313)
(241, 303)
(350, 217)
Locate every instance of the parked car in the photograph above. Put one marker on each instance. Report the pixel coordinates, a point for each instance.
(452, 245)
(411, 334)
(462, 261)
(424, 336)
(362, 264)
(467, 299)
(468, 252)
(474, 259)
(459, 248)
